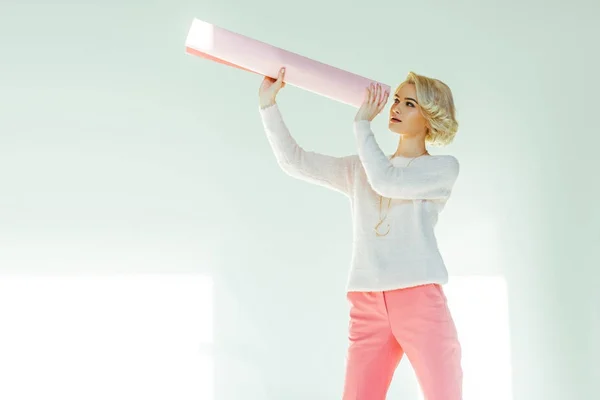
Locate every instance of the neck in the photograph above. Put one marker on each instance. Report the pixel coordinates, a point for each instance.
(410, 147)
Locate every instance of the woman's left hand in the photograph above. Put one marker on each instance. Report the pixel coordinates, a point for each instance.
(375, 100)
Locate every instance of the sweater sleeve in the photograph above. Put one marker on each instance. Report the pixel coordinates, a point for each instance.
(328, 171)
(430, 180)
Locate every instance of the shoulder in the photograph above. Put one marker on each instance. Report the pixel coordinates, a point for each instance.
(443, 164)
(445, 160)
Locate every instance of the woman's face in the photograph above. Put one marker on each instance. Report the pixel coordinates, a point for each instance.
(405, 114)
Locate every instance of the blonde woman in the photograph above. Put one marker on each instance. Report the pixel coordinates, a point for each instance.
(394, 287)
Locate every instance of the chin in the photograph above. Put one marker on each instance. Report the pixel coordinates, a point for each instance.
(392, 127)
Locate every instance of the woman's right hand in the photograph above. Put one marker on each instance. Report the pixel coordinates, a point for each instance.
(269, 89)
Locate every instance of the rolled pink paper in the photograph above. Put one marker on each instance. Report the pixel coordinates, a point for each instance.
(229, 48)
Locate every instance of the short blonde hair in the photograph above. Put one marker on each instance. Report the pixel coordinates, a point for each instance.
(437, 105)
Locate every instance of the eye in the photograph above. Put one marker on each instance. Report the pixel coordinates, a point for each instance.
(408, 103)
(396, 100)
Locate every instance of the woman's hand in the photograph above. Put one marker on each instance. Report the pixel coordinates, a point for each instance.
(269, 88)
(375, 100)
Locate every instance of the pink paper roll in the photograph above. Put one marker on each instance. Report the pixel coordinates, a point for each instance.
(220, 45)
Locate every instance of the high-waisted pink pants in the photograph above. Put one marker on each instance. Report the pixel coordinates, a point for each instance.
(386, 325)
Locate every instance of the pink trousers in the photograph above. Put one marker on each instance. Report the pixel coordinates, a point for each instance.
(386, 325)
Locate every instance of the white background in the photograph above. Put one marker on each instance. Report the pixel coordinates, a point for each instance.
(122, 155)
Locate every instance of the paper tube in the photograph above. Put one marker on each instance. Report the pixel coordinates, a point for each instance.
(220, 45)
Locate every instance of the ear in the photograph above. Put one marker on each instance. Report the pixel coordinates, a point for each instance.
(427, 132)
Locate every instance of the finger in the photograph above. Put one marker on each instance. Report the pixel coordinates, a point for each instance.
(383, 98)
(281, 76)
(372, 106)
(376, 94)
(380, 107)
(376, 97)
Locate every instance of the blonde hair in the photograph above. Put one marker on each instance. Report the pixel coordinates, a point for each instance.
(437, 105)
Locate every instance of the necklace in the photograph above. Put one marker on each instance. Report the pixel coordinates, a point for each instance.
(381, 219)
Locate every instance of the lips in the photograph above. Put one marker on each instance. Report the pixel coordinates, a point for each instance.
(395, 120)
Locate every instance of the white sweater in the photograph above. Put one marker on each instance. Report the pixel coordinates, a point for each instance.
(408, 255)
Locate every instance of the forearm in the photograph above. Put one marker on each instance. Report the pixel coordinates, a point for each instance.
(432, 179)
(375, 162)
(285, 148)
(329, 171)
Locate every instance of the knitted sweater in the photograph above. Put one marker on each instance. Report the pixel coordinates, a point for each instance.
(408, 255)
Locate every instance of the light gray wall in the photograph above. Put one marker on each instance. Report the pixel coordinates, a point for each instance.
(119, 153)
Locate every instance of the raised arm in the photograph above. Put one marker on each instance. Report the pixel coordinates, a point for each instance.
(324, 170)
(432, 178)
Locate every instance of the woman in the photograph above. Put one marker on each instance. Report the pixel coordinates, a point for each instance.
(394, 288)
